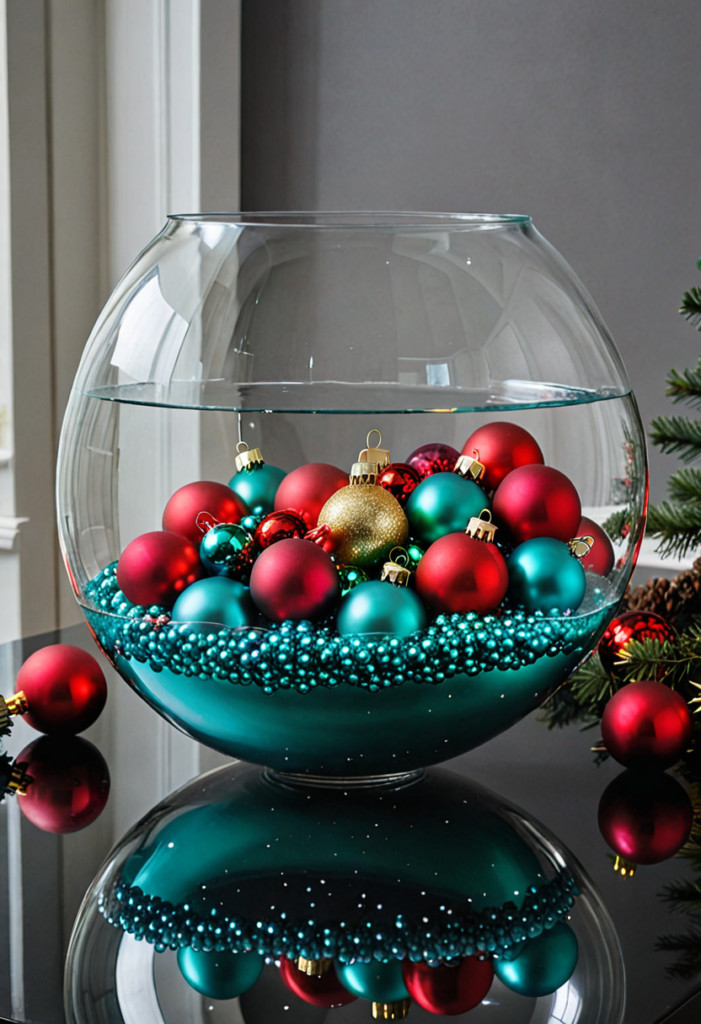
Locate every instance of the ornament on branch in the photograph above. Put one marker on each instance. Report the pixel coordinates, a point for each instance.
(645, 724)
(630, 626)
(60, 689)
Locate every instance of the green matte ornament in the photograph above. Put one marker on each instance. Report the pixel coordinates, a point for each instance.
(219, 975)
(379, 607)
(443, 503)
(379, 982)
(545, 964)
(216, 599)
(545, 576)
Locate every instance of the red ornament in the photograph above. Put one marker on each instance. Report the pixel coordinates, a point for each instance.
(631, 626)
(156, 567)
(448, 989)
(307, 489)
(601, 556)
(646, 724)
(502, 447)
(462, 574)
(70, 783)
(645, 817)
(221, 503)
(433, 457)
(64, 687)
(318, 989)
(282, 525)
(400, 479)
(537, 501)
(294, 579)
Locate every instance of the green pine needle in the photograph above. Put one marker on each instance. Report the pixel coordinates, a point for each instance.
(688, 944)
(685, 386)
(677, 527)
(684, 897)
(690, 308)
(685, 485)
(677, 435)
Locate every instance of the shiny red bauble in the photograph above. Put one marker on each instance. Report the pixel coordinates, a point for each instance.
(65, 689)
(283, 525)
(433, 457)
(307, 489)
(318, 989)
(70, 783)
(631, 626)
(601, 556)
(501, 447)
(216, 499)
(537, 501)
(645, 817)
(447, 989)
(156, 567)
(461, 574)
(294, 579)
(646, 723)
(400, 479)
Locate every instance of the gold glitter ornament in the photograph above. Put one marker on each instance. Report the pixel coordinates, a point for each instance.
(366, 522)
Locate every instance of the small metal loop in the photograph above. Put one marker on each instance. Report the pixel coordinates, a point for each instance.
(476, 454)
(205, 521)
(241, 447)
(401, 554)
(379, 438)
(488, 513)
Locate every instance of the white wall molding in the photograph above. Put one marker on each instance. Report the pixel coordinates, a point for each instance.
(9, 532)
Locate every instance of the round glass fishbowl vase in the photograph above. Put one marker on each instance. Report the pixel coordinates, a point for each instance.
(348, 494)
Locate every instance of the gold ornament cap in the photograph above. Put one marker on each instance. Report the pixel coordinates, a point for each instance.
(19, 780)
(469, 466)
(397, 1010)
(364, 473)
(580, 546)
(313, 968)
(395, 571)
(247, 458)
(624, 868)
(11, 706)
(373, 453)
(481, 528)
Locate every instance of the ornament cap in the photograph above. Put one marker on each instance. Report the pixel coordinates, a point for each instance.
(19, 780)
(469, 466)
(397, 1010)
(247, 458)
(11, 706)
(313, 968)
(581, 546)
(395, 571)
(374, 453)
(623, 867)
(481, 527)
(364, 473)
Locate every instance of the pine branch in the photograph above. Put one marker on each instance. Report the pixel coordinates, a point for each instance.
(677, 435)
(581, 699)
(684, 897)
(685, 386)
(690, 308)
(687, 943)
(617, 524)
(685, 485)
(677, 527)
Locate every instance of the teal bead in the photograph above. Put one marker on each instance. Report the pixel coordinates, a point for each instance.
(443, 503)
(378, 982)
(380, 607)
(544, 576)
(216, 599)
(257, 485)
(545, 964)
(219, 975)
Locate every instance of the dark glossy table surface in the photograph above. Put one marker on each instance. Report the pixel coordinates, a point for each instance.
(551, 775)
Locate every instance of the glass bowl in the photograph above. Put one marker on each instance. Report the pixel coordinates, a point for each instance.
(252, 350)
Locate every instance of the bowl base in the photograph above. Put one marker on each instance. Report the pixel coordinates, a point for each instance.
(298, 780)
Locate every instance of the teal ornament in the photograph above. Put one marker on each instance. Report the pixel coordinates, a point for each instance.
(349, 576)
(414, 555)
(380, 607)
(257, 485)
(544, 576)
(215, 599)
(443, 503)
(219, 975)
(227, 549)
(545, 964)
(376, 981)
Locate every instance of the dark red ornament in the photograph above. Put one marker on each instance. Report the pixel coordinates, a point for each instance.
(318, 989)
(400, 479)
(631, 626)
(537, 501)
(294, 579)
(156, 567)
(307, 489)
(70, 783)
(64, 687)
(283, 525)
(462, 574)
(216, 499)
(501, 447)
(433, 457)
(644, 816)
(449, 989)
(601, 556)
(646, 724)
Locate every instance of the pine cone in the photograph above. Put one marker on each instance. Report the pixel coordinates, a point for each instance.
(676, 600)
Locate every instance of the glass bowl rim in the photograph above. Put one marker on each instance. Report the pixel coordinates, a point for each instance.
(356, 220)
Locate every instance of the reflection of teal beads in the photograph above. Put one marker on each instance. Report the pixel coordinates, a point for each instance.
(222, 975)
(545, 963)
(378, 982)
(544, 576)
(257, 485)
(380, 607)
(216, 599)
(443, 503)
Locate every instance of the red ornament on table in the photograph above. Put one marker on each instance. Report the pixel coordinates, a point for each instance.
(502, 447)
(70, 783)
(221, 503)
(537, 501)
(461, 573)
(601, 556)
(283, 525)
(400, 479)
(433, 457)
(156, 567)
(64, 688)
(294, 579)
(307, 489)
(646, 724)
(631, 626)
(448, 989)
(645, 817)
(318, 989)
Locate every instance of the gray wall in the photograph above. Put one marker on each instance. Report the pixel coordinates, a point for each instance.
(583, 114)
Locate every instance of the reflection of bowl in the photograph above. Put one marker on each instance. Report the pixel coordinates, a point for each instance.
(297, 335)
(436, 870)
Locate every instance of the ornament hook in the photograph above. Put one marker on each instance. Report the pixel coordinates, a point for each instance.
(481, 527)
(581, 546)
(470, 466)
(401, 553)
(373, 453)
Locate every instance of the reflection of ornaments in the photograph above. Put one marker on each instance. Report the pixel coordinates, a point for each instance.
(216, 599)
(646, 724)
(380, 982)
(601, 555)
(307, 488)
(441, 504)
(545, 963)
(181, 512)
(156, 567)
(64, 689)
(381, 606)
(447, 988)
(645, 816)
(537, 501)
(294, 579)
(433, 457)
(365, 521)
(631, 626)
(400, 479)
(349, 577)
(318, 989)
(254, 481)
(502, 447)
(219, 975)
(461, 573)
(227, 549)
(282, 525)
(14, 779)
(70, 783)
(544, 576)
